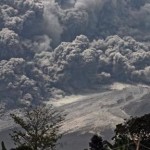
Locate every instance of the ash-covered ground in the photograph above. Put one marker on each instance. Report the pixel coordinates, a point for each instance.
(97, 112)
(103, 110)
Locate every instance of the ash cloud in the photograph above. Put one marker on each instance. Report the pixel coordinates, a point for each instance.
(50, 48)
(101, 18)
(80, 64)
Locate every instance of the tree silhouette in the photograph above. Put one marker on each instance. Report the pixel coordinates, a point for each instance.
(134, 129)
(39, 128)
(96, 143)
(133, 134)
(3, 146)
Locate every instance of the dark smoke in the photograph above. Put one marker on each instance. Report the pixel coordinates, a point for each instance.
(51, 48)
(101, 18)
(82, 63)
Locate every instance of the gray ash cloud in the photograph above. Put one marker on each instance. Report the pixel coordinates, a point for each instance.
(50, 48)
(81, 63)
(101, 18)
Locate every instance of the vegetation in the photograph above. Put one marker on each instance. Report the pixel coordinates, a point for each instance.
(39, 128)
(40, 131)
(22, 148)
(96, 143)
(133, 134)
(135, 130)
(3, 146)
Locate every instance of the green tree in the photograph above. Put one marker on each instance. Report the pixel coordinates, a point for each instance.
(122, 142)
(132, 131)
(39, 128)
(132, 134)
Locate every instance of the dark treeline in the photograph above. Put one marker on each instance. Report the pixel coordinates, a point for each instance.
(133, 134)
(40, 131)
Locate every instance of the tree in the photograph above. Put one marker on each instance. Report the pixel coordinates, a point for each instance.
(3, 146)
(39, 128)
(96, 143)
(122, 142)
(133, 134)
(136, 130)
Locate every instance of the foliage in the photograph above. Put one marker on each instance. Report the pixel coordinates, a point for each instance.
(133, 129)
(123, 143)
(127, 136)
(3, 146)
(22, 148)
(96, 143)
(39, 128)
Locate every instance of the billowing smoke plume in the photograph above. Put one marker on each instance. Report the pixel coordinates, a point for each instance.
(63, 20)
(50, 48)
(81, 63)
(100, 18)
